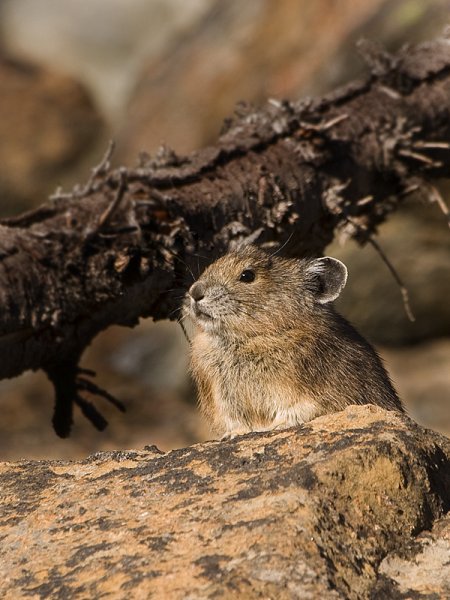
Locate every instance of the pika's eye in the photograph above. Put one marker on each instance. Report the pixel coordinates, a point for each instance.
(247, 276)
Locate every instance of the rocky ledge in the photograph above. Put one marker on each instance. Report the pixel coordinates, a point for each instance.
(351, 505)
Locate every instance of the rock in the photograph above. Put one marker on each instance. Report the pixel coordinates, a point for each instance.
(238, 51)
(301, 513)
(47, 124)
(257, 50)
(102, 44)
(416, 241)
(423, 568)
(194, 60)
(421, 374)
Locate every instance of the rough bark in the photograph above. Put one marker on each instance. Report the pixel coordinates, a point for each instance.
(122, 246)
(303, 513)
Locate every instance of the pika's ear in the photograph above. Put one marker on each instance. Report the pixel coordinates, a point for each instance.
(329, 277)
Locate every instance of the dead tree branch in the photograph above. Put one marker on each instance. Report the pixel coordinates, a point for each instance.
(118, 248)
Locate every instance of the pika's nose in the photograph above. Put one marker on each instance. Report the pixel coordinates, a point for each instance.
(197, 291)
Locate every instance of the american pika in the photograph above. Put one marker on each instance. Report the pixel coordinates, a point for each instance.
(269, 350)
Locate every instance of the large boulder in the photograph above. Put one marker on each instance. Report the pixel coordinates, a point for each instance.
(416, 241)
(308, 512)
(246, 51)
(48, 123)
(421, 569)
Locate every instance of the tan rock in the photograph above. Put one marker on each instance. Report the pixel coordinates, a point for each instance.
(302, 513)
(421, 374)
(422, 570)
(416, 241)
(47, 122)
(240, 51)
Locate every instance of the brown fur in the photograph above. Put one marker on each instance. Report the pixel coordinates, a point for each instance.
(273, 352)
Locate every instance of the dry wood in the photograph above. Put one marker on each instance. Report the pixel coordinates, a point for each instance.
(122, 246)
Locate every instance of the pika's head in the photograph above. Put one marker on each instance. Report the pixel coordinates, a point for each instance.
(249, 292)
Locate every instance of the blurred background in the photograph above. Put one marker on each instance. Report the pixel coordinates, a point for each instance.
(75, 74)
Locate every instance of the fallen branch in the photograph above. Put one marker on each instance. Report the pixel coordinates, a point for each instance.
(121, 247)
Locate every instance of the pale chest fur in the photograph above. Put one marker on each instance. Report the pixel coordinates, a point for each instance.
(248, 385)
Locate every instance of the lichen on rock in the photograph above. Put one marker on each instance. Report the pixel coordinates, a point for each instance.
(306, 512)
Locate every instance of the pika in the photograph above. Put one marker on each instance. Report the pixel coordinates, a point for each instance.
(268, 349)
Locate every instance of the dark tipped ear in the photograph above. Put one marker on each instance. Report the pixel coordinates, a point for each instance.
(329, 276)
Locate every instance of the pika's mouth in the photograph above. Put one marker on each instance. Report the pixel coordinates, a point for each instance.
(201, 314)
